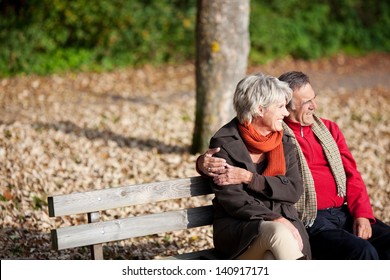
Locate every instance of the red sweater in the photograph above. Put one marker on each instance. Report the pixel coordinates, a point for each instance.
(357, 197)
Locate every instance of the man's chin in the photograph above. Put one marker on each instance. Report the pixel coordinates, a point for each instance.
(309, 120)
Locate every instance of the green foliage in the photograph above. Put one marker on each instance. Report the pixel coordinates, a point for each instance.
(312, 29)
(46, 36)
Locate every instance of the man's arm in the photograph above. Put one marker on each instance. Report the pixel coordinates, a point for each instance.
(358, 200)
(357, 197)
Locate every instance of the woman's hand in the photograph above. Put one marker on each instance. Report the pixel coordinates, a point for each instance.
(223, 174)
(233, 175)
(293, 229)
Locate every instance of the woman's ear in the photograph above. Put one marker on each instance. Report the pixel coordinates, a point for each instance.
(261, 111)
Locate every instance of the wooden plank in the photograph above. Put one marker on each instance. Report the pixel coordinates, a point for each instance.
(104, 199)
(101, 232)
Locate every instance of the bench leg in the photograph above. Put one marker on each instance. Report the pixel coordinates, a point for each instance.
(96, 250)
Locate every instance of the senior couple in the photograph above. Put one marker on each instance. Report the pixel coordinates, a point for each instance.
(286, 185)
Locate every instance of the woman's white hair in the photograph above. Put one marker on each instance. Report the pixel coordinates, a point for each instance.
(258, 90)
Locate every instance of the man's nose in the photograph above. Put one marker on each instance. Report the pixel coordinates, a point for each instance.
(313, 104)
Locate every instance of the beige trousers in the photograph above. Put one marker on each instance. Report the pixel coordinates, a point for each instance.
(276, 242)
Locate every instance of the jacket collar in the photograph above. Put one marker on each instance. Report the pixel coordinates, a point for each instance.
(237, 149)
(230, 129)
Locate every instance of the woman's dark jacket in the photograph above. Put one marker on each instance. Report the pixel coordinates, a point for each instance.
(240, 209)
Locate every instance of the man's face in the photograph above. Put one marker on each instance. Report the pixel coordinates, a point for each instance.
(303, 105)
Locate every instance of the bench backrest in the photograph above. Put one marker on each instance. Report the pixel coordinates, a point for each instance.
(97, 232)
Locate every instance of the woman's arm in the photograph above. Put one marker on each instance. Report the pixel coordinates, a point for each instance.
(237, 202)
(286, 188)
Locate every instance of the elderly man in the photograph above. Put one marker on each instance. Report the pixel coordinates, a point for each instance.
(335, 206)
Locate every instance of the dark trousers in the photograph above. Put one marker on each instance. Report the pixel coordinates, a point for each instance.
(331, 238)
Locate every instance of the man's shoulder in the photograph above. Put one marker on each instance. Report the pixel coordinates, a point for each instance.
(326, 121)
(329, 124)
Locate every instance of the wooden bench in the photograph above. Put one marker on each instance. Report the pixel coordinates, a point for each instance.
(97, 232)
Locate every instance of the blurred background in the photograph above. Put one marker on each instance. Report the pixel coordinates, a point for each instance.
(46, 36)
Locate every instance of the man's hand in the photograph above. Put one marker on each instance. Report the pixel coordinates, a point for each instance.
(209, 165)
(233, 175)
(362, 228)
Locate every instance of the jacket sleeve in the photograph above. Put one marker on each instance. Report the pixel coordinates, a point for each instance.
(287, 188)
(358, 200)
(236, 201)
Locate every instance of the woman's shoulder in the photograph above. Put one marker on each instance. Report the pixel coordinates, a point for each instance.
(226, 134)
(288, 143)
(228, 130)
(287, 137)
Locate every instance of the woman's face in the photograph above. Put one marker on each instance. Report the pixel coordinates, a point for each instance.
(272, 118)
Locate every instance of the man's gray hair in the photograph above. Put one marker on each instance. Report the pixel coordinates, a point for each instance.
(295, 80)
(258, 90)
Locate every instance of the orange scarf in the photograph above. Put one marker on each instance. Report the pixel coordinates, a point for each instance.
(270, 144)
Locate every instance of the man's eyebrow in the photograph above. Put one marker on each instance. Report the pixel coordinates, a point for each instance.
(308, 100)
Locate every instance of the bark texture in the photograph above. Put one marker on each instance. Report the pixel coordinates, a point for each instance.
(222, 48)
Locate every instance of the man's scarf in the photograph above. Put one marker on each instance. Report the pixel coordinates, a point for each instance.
(271, 145)
(307, 204)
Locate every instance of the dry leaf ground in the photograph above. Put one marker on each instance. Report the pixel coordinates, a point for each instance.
(77, 132)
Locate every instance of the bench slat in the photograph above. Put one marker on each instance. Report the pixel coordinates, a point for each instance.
(98, 200)
(100, 232)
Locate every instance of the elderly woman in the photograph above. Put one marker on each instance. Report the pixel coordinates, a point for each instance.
(257, 219)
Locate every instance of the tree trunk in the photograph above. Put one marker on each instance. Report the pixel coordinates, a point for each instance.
(222, 48)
